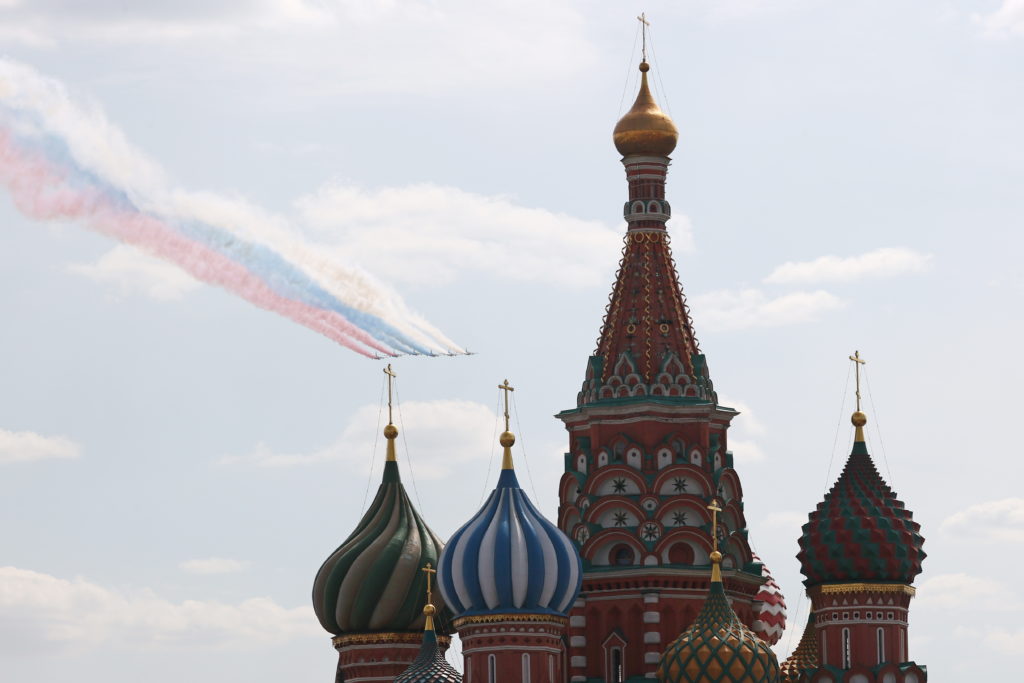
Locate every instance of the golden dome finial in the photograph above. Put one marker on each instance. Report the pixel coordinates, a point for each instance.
(507, 438)
(858, 419)
(716, 555)
(645, 129)
(390, 431)
(428, 609)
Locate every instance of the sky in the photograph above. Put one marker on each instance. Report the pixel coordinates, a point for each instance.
(176, 463)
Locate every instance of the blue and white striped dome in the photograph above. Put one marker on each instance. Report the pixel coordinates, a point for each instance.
(509, 559)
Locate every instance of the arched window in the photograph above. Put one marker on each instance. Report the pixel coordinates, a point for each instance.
(824, 649)
(880, 636)
(526, 668)
(551, 668)
(903, 648)
(622, 556)
(492, 669)
(846, 654)
(616, 672)
(680, 553)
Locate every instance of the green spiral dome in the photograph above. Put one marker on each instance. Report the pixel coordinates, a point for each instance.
(373, 582)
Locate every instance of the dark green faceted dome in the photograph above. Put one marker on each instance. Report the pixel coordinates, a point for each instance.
(430, 665)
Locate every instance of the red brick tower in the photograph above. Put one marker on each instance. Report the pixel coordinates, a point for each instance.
(648, 447)
(860, 551)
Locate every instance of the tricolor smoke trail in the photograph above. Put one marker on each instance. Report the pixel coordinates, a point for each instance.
(63, 160)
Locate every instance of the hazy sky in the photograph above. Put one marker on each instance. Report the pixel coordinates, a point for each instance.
(175, 463)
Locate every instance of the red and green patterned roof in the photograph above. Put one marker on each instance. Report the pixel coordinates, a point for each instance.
(804, 658)
(718, 648)
(860, 531)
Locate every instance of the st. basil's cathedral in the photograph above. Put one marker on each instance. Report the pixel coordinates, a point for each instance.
(647, 574)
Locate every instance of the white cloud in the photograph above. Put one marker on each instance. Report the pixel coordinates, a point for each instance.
(727, 310)
(1005, 22)
(427, 427)
(785, 520)
(997, 520)
(433, 234)
(39, 611)
(29, 446)
(343, 45)
(884, 262)
(746, 419)
(742, 432)
(212, 565)
(952, 591)
(132, 270)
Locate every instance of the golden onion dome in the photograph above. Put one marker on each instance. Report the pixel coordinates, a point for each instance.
(645, 129)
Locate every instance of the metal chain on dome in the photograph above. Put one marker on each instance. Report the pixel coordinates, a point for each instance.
(878, 429)
(408, 455)
(494, 440)
(629, 70)
(522, 447)
(376, 438)
(839, 423)
(657, 71)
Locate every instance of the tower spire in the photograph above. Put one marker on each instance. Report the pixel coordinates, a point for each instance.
(390, 430)
(507, 438)
(858, 419)
(644, 25)
(428, 609)
(716, 555)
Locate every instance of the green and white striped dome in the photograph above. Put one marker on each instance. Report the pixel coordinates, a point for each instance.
(373, 582)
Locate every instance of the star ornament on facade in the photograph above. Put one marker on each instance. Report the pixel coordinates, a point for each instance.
(679, 518)
(619, 485)
(620, 518)
(651, 532)
(679, 484)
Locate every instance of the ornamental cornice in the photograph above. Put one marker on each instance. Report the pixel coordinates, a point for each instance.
(510, 618)
(832, 588)
(404, 638)
(645, 410)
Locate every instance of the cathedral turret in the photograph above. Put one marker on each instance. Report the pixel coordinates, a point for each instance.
(510, 576)
(370, 593)
(718, 647)
(430, 666)
(648, 446)
(860, 552)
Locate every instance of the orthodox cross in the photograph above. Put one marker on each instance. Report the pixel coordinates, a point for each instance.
(643, 27)
(858, 361)
(428, 570)
(715, 509)
(391, 376)
(506, 387)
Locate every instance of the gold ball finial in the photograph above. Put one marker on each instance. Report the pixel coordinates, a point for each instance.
(507, 439)
(859, 419)
(644, 67)
(429, 610)
(390, 432)
(716, 556)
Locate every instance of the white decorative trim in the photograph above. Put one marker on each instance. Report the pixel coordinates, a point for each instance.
(652, 617)
(652, 637)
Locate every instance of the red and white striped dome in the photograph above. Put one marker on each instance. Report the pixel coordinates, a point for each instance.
(770, 617)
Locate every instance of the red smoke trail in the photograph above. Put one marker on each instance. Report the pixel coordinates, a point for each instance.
(40, 192)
